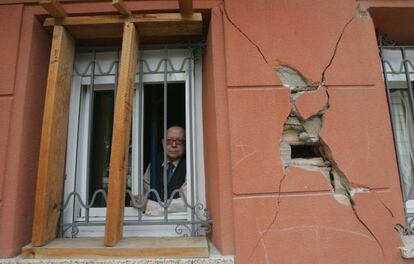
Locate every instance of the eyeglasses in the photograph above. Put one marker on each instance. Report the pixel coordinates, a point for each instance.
(178, 142)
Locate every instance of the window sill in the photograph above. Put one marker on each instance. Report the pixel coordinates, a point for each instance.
(133, 247)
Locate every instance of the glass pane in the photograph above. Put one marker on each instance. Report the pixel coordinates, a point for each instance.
(404, 138)
(154, 129)
(103, 108)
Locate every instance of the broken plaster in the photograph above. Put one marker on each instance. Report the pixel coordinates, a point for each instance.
(300, 132)
(296, 130)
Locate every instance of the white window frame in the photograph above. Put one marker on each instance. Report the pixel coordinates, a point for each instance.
(393, 57)
(78, 144)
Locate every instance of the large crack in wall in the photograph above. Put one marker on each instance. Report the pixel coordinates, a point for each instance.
(301, 145)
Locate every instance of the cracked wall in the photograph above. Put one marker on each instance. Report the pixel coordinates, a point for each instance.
(313, 166)
(301, 145)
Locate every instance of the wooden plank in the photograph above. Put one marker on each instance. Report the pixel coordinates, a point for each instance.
(54, 8)
(186, 7)
(145, 247)
(121, 7)
(118, 19)
(148, 25)
(53, 139)
(118, 167)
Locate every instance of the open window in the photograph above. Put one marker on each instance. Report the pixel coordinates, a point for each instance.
(398, 70)
(171, 70)
(93, 145)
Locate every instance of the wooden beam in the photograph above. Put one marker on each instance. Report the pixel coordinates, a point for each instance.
(138, 19)
(54, 8)
(132, 247)
(121, 7)
(118, 167)
(148, 25)
(186, 7)
(53, 139)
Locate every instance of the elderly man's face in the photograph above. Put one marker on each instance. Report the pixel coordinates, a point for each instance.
(175, 143)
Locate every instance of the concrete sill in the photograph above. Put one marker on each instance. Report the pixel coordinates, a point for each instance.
(214, 257)
(131, 247)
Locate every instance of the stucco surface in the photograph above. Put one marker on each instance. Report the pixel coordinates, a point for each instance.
(312, 229)
(5, 111)
(296, 33)
(10, 22)
(356, 60)
(263, 213)
(295, 218)
(216, 137)
(299, 180)
(358, 132)
(16, 211)
(256, 123)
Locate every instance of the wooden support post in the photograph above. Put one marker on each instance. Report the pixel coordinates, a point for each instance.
(54, 8)
(186, 7)
(118, 167)
(50, 173)
(121, 7)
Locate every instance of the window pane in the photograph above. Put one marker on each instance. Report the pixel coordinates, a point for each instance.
(404, 131)
(154, 126)
(103, 108)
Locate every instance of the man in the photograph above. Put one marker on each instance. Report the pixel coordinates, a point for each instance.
(175, 176)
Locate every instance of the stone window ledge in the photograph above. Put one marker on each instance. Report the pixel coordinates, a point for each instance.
(214, 258)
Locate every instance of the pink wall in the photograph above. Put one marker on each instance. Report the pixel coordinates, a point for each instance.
(216, 144)
(261, 213)
(25, 54)
(293, 216)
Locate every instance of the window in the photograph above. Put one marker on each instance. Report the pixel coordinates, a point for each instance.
(398, 68)
(89, 138)
(174, 71)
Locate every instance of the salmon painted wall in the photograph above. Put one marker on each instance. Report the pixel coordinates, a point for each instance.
(24, 51)
(262, 212)
(292, 215)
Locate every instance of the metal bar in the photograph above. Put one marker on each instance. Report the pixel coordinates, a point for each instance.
(409, 84)
(90, 129)
(191, 127)
(81, 98)
(140, 132)
(164, 175)
(116, 75)
(144, 223)
(154, 141)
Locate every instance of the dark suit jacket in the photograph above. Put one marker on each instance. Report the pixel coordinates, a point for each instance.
(177, 179)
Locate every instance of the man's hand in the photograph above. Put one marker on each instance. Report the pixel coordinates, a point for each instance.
(139, 202)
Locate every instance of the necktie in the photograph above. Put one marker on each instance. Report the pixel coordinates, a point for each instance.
(170, 170)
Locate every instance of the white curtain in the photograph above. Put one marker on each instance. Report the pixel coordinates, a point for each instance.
(404, 138)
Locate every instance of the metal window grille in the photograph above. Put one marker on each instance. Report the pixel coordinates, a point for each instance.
(398, 69)
(94, 86)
